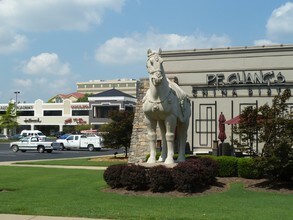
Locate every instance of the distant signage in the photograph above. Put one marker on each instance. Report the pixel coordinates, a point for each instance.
(78, 121)
(86, 107)
(19, 107)
(30, 120)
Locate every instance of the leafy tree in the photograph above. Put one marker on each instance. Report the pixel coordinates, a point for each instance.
(85, 98)
(248, 126)
(117, 133)
(277, 134)
(79, 128)
(275, 127)
(8, 120)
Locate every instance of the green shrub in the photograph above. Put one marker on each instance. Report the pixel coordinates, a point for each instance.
(227, 166)
(134, 177)
(112, 175)
(250, 168)
(160, 178)
(158, 154)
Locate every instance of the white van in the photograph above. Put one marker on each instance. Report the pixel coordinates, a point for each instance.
(33, 133)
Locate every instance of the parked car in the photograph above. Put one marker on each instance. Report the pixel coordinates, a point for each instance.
(3, 137)
(15, 137)
(33, 133)
(31, 143)
(64, 136)
(79, 141)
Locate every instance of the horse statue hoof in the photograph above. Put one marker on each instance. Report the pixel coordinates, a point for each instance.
(151, 160)
(169, 161)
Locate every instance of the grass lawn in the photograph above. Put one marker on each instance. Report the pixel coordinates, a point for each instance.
(99, 161)
(66, 192)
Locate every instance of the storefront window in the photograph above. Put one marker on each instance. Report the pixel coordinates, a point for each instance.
(52, 113)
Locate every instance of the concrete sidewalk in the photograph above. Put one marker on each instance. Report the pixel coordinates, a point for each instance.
(13, 163)
(35, 217)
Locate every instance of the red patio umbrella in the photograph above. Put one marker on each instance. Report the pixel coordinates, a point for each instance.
(222, 135)
(233, 121)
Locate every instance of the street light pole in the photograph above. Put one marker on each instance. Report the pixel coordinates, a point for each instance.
(15, 105)
(16, 93)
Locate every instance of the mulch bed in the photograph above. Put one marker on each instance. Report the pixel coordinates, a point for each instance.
(222, 184)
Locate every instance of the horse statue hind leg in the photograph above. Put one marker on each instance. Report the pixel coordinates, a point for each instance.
(163, 155)
(152, 137)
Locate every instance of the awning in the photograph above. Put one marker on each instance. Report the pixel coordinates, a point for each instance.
(233, 121)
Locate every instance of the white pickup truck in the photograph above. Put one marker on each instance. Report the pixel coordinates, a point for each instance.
(79, 141)
(31, 143)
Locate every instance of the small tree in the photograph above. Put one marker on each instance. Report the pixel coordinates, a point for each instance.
(85, 98)
(79, 128)
(277, 134)
(248, 126)
(8, 120)
(118, 132)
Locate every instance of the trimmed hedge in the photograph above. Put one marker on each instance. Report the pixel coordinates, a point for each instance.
(250, 168)
(195, 174)
(227, 166)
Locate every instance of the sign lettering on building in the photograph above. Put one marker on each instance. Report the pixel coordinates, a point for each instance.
(86, 107)
(30, 120)
(260, 83)
(246, 77)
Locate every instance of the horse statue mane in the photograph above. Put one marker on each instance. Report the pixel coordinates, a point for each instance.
(167, 105)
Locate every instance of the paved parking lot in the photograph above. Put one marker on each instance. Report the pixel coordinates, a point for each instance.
(6, 154)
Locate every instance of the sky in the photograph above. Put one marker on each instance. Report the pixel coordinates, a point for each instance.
(47, 46)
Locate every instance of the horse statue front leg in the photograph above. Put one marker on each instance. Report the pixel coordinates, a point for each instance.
(151, 127)
(170, 123)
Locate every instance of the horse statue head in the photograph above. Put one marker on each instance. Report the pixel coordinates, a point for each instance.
(155, 67)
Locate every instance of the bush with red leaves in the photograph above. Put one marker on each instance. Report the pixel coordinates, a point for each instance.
(112, 175)
(194, 175)
(160, 178)
(134, 177)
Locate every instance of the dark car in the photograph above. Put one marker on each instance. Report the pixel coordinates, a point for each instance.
(64, 136)
(3, 137)
(15, 137)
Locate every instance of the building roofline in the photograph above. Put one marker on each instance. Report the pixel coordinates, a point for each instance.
(228, 50)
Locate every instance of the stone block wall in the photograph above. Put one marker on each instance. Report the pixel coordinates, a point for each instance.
(139, 147)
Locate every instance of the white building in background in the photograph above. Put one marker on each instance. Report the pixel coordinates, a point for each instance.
(128, 86)
(49, 117)
(228, 80)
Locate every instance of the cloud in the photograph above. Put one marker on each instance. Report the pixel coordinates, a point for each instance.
(46, 74)
(47, 15)
(280, 22)
(23, 82)
(46, 63)
(125, 50)
(11, 42)
(262, 42)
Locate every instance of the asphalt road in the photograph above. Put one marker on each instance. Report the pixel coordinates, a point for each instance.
(6, 154)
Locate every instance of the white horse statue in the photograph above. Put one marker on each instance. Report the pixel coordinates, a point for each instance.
(166, 104)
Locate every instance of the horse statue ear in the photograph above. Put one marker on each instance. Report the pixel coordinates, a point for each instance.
(149, 51)
(160, 51)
